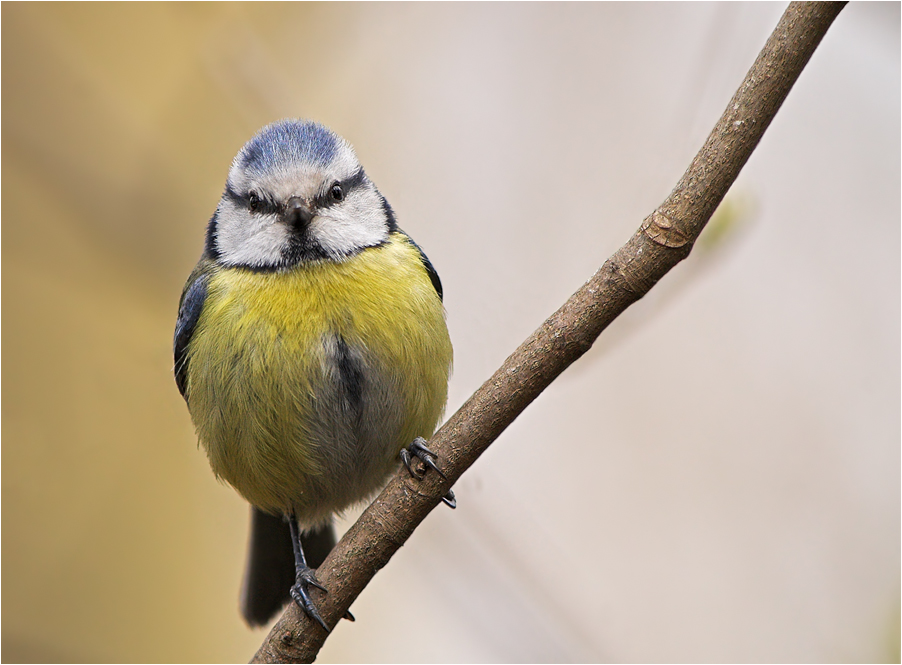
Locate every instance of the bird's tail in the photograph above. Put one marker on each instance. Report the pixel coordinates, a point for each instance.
(270, 572)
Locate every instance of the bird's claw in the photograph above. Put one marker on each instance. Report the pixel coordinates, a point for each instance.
(419, 450)
(450, 500)
(305, 579)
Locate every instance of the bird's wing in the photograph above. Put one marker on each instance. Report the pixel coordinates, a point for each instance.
(190, 307)
(430, 269)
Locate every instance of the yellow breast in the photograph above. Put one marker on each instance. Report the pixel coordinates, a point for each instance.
(270, 367)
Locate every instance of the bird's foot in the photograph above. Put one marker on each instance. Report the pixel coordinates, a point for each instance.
(306, 578)
(418, 450)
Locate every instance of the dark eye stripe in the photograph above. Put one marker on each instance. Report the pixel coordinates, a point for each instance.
(264, 205)
(234, 196)
(347, 185)
(354, 181)
(324, 200)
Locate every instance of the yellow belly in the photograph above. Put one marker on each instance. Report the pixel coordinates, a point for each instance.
(273, 365)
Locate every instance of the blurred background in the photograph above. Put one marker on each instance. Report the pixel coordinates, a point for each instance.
(717, 480)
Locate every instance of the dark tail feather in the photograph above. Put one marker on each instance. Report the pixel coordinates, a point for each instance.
(269, 574)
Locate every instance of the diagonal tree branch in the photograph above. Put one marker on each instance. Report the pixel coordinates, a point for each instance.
(664, 239)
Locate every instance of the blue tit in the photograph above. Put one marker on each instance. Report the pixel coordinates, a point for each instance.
(311, 348)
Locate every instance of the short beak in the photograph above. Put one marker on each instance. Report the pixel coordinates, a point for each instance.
(297, 213)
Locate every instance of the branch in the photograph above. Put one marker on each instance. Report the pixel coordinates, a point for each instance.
(664, 239)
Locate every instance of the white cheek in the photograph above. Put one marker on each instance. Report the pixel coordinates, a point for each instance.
(246, 239)
(357, 222)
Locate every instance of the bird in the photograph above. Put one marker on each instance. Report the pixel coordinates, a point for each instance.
(312, 349)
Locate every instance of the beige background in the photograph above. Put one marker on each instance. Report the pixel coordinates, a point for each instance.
(717, 480)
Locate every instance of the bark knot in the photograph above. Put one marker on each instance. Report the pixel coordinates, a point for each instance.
(660, 229)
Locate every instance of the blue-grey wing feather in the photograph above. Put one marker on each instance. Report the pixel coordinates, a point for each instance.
(189, 313)
(430, 269)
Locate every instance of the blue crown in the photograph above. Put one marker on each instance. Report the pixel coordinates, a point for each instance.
(291, 142)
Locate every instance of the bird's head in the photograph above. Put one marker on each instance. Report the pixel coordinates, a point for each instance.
(296, 193)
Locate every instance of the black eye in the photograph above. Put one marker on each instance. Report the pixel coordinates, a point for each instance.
(336, 193)
(253, 201)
